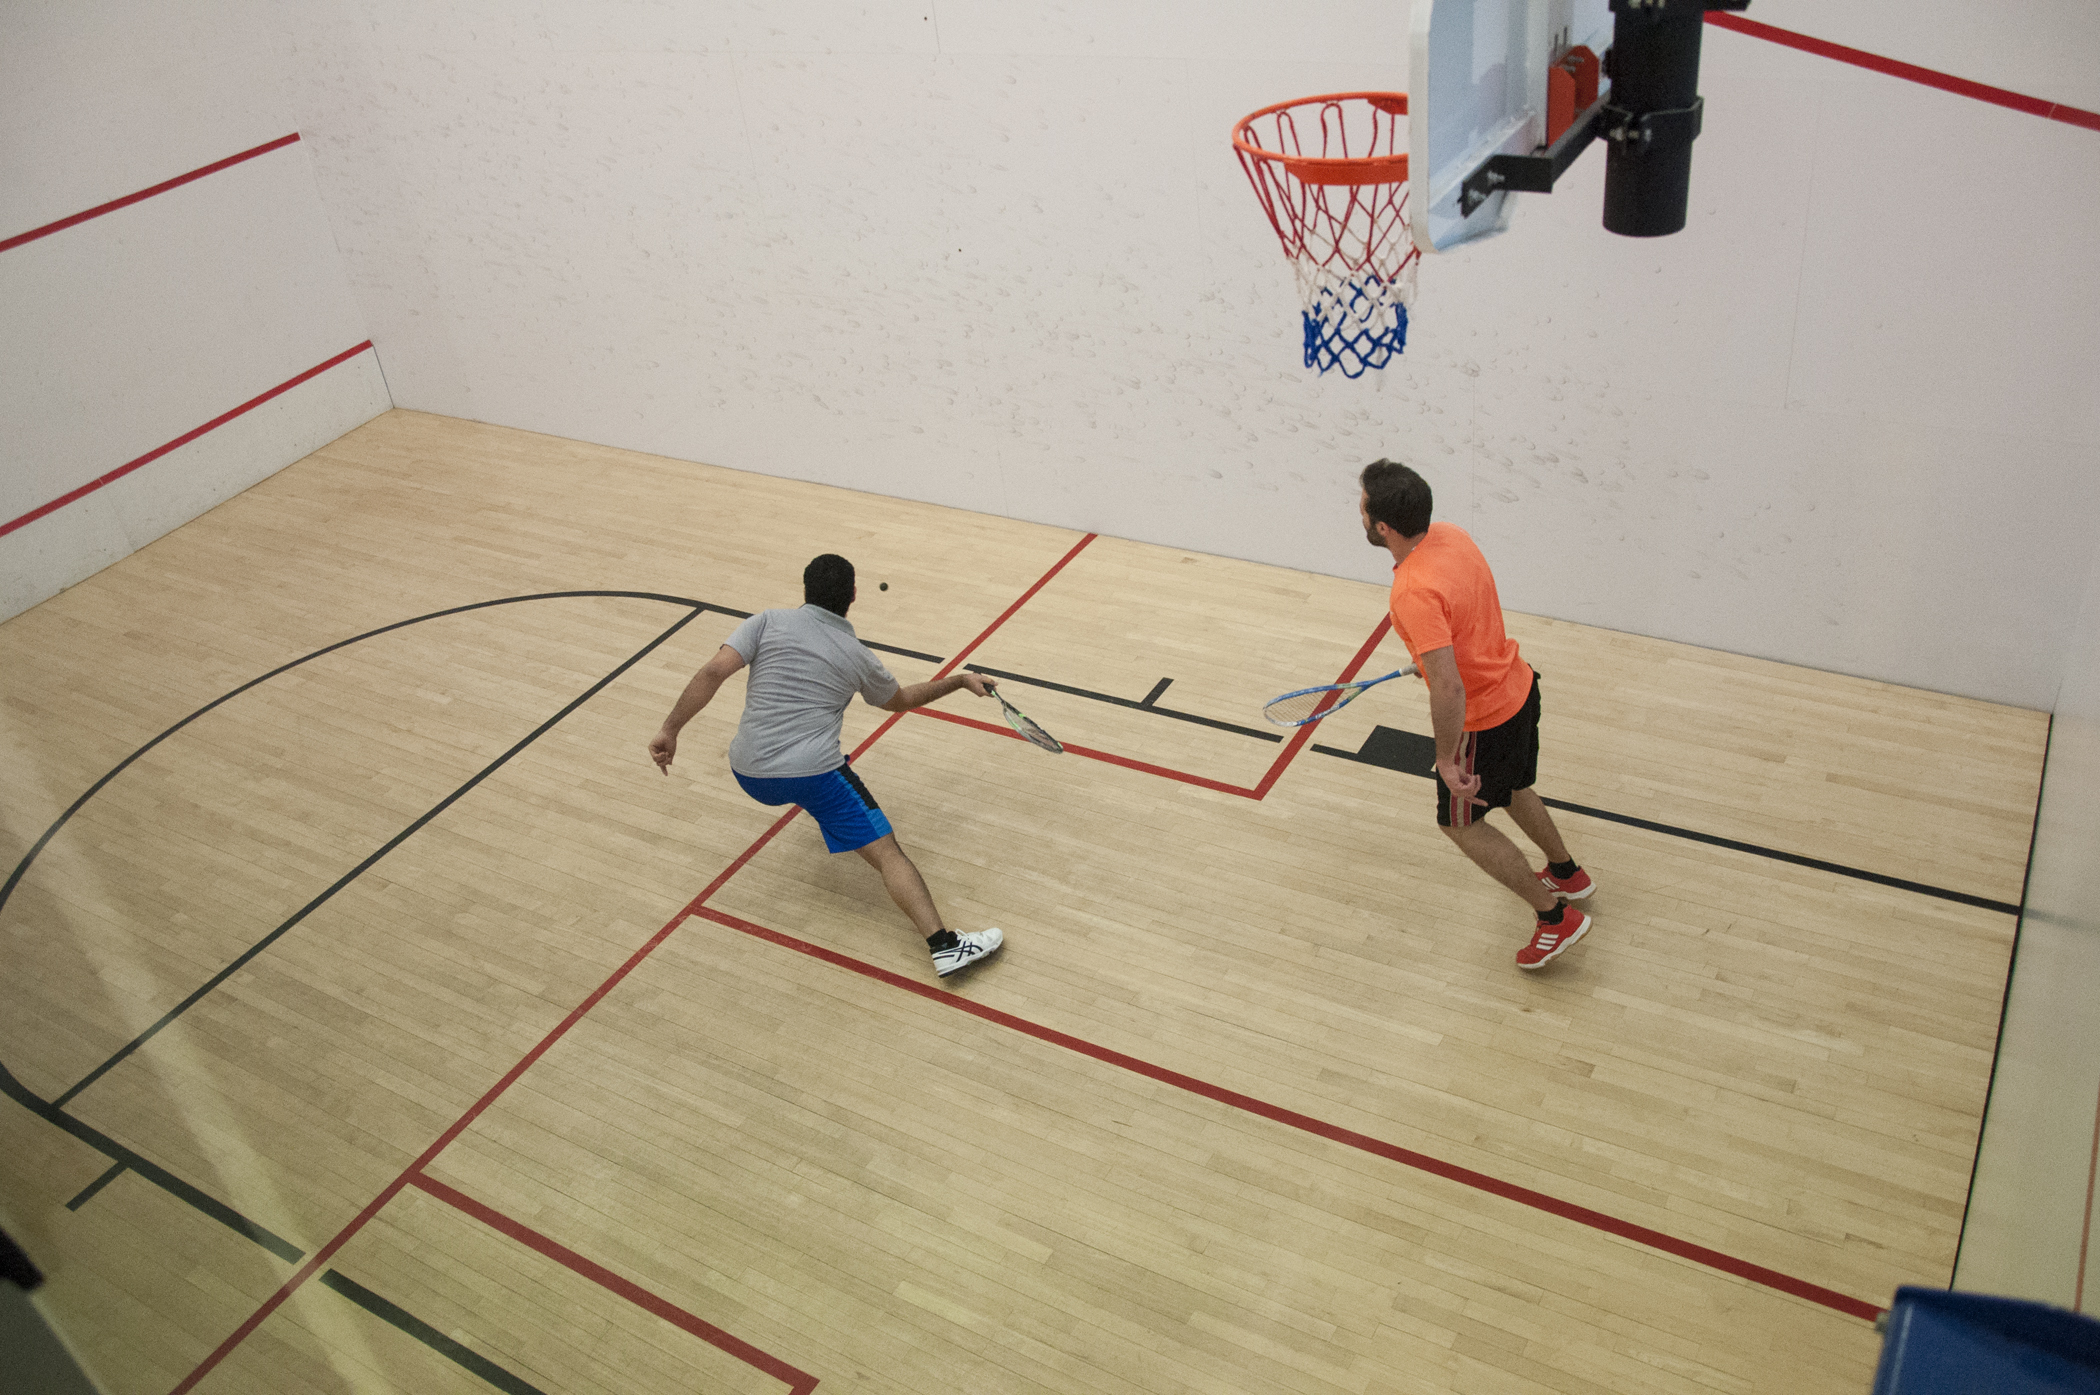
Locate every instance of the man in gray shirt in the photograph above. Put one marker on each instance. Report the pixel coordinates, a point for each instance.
(806, 665)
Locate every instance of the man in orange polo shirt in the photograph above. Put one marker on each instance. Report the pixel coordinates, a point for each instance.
(1483, 701)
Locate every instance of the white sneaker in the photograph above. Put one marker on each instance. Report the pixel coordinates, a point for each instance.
(969, 947)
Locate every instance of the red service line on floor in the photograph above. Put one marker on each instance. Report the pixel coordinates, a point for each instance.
(1909, 72)
(184, 439)
(415, 1170)
(129, 199)
(1297, 743)
(1111, 758)
(798, 1382)
(1335, 1133)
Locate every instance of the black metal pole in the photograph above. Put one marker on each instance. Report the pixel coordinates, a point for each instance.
(1655, 91)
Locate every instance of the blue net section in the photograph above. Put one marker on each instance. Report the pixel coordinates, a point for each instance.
(1355, 325)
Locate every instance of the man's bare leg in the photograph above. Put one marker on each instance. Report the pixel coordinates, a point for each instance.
(1531, 815)
(1493, 853)
(904, 884)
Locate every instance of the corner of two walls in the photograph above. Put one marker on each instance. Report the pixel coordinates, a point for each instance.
(2029, 1232)
(160, 357)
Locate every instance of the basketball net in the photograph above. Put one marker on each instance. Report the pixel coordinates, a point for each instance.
(1331, 173)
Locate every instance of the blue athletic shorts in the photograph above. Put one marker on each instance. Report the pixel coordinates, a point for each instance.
(837, 800)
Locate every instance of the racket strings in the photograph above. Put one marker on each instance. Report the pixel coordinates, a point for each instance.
(1025, 726)
(1293, 709)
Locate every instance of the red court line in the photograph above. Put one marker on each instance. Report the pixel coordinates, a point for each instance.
(1004, 616)
(114, 204)
(1303, 735)
(1909, 72)
(1125, 761)
(510, 1077)
(1297, 742)
(1305, 1123)
(184, 439)
(798, 1382)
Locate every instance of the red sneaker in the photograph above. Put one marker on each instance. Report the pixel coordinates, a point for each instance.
(1575, 888)
(1549, 941)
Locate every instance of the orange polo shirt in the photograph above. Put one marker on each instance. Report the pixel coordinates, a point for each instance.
(1444, 595)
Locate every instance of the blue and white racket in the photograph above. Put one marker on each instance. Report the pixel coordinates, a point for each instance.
(1311, 704)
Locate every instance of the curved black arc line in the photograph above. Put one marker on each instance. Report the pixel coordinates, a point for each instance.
(361, 868)
(52, 1112)
(22, 867)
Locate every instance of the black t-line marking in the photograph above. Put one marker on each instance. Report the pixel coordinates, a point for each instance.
(907, 653)
(87, 1193)
(1157, 689)
(429, 1336)
(361, 868)
(1412, 754)
(153, 1172)
(1145, 706)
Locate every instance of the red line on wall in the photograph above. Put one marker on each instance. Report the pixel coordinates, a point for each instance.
(510, 1077)
(1909, 72)
(129, 199)
(1305, 1123)
(184, 439)
(798, 1382)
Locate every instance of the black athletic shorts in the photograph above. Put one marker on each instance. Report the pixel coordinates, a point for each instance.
(1506, 758)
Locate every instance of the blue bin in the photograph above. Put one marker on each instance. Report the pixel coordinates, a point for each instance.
(1942, 1343)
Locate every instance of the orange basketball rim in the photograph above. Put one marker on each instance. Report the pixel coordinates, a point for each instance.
(1331, 173)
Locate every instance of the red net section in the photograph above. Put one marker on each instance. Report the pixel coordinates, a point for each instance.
(1331, 173)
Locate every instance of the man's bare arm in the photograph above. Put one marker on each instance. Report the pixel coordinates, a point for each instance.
(919, 694)
(1447, 714)
(698, 693)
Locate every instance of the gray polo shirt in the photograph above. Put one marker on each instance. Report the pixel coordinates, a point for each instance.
(806, 665)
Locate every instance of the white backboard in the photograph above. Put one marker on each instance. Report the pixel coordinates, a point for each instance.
(1476, 88)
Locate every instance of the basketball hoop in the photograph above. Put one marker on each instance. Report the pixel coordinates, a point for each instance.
(1331, 173)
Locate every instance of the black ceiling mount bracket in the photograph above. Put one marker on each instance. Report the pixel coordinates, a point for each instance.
(1533, 173)
(1660, 8)
(1634, 134)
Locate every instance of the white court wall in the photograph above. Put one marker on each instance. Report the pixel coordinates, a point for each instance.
(1002, 257)
(2029, 1231)
(128, 331)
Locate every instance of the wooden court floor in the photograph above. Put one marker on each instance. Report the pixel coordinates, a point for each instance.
(379, 1019)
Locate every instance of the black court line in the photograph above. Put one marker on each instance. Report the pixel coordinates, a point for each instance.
(361, 868)
(1132, 703)
(153, 1172)
(126, 1159)
(429, 1336)
(1395, 750)
(1413, 754)
(87, 1193)
(907, 653)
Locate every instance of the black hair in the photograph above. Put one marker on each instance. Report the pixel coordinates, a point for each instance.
(1397, 497)
(828, 581)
